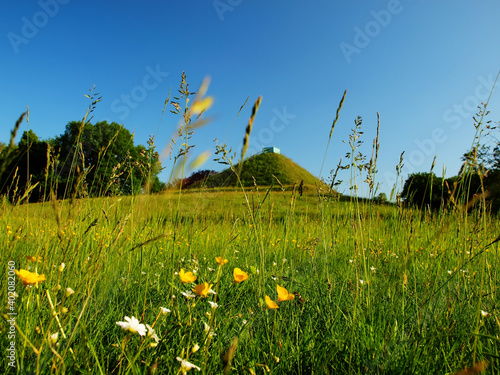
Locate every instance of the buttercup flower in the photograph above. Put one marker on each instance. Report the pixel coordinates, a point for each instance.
(69, 292)
(61, 267)
(186, 277)
(271, 304)
(213, 304)
(221, 261)
(283, 294)
(484, 313)
(133, 325)
(239, 276)
(186, 366)
(202, 289)
(29, 278)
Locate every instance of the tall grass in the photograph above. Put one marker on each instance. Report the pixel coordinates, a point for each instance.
(377, 289)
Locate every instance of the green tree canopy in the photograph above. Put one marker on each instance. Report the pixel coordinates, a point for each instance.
(427, 190)
(89, 160)
(423, 189)
(26, 164)
(106, 156)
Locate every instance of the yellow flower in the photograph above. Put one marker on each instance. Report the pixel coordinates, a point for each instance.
(34, 259)
(186, 277)
(200, 160)
(28, 277)
(202, 105)
(271, 304)
(283, 294)
(221, 261)
(203, 289)
(239, 276)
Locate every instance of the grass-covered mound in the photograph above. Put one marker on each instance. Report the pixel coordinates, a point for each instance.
(262, 167)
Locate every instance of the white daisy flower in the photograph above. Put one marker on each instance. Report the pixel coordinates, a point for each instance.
(186, 366)
(188, 294)
(54, 337)
(164, 310)
(153, 335)
(133, 325)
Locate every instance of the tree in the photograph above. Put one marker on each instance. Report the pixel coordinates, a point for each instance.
(26, 168)
(481, 169)
(86, 160)
(197, 178)
(381, 198)
(103, 160)
(428, 190)
(424, 189)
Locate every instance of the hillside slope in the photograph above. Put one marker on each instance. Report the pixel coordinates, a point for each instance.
(262, 167)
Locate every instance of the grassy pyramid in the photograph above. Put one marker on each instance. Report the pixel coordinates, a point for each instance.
(262, 167)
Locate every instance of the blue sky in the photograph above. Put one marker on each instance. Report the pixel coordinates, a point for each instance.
(423, 65)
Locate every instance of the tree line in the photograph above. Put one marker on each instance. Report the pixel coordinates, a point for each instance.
(90, 160)
(478, 180)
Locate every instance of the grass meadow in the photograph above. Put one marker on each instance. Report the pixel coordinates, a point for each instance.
(377, 289)
(322, 286)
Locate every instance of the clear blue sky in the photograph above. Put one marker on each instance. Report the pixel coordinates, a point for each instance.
(423, 65)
